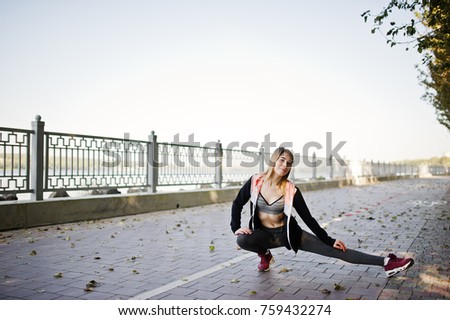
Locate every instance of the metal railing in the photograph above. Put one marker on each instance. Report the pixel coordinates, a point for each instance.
(15, 160)
(80, 162)
(35, 162)
(185, 165)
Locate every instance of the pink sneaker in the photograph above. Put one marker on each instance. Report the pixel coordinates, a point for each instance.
(266, 260)
(395, 265)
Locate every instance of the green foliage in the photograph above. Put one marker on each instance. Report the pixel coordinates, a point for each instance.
(429, 32)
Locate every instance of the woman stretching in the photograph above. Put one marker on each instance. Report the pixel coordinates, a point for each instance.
(272, 198)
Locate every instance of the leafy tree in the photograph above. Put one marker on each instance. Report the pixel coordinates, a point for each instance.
(428, 31)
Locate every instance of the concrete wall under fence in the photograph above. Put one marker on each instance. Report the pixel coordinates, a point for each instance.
(25, 214)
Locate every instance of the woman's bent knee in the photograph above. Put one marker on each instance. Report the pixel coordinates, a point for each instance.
(243, 241)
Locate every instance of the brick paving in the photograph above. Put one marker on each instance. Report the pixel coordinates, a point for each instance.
(191, 253)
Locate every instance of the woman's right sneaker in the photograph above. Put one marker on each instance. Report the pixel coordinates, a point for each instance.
(266, 260)
(395, 265)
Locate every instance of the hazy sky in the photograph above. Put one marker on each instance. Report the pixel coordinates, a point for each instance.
(228, 70)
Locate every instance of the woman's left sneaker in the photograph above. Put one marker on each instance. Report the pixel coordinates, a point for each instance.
(395, 265)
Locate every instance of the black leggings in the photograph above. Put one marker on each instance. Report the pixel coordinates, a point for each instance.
(268, 238)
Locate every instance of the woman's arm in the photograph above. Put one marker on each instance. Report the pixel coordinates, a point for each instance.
(302, 209)
(238, 203)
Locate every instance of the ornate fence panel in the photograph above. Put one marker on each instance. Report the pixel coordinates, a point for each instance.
(180, 164)
(239, 165)
(15, 147)
(80, 162)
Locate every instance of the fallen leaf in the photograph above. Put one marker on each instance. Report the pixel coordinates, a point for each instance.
(235, 281)
(338, 287)
(326, 291)
(33, 253)
(58, 275)
(92, 284)
(285, 269)
(211, 248)
(135, 271)
(252, 292)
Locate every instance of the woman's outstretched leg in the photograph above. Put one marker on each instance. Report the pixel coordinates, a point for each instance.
(311, 243)
(392, 265)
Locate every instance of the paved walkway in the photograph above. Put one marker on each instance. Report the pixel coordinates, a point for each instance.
(191, 253)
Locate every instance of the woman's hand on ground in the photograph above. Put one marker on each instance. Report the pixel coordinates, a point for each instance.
(243, 230)
(338, 244)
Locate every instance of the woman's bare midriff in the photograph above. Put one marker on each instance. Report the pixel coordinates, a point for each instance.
(271, 220)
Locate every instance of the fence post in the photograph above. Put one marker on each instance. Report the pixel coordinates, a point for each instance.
(292, 171)
(219, 163)
(314, 169)
(37, 159)
(346, 170)
(331, 166)
(262, 158)
(152, 162)
(378, 168)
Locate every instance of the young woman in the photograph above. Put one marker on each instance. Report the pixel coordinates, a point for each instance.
(272, 224)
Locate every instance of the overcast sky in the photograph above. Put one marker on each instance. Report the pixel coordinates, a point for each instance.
(229, 70)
